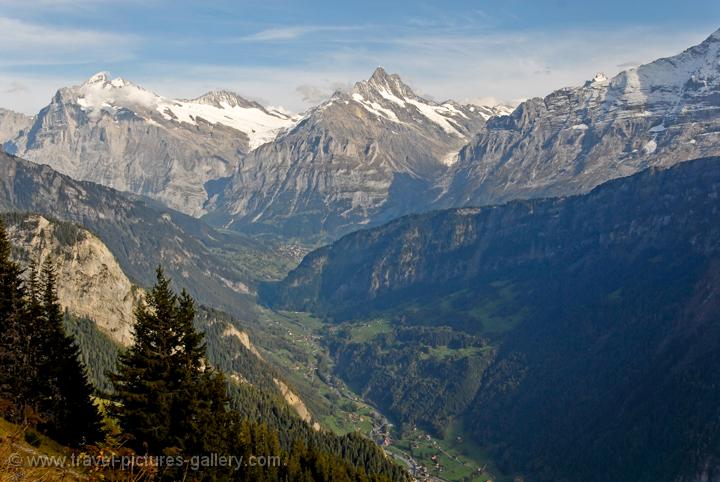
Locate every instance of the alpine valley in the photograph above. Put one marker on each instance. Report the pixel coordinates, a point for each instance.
(383, 287)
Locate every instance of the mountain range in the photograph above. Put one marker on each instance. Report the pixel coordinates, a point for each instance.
(657, 114)
(364, 156)
(374, 152)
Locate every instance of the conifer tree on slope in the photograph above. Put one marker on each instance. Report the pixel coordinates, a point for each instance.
(42, 379)
(165, 397)
(68, 412)
(16, 354)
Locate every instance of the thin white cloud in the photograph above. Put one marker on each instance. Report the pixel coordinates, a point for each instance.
(312, 94)
(277, 34)
(26, 43)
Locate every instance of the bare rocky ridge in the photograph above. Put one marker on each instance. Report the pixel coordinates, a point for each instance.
(118, 134)
(657, 114)
(362, 157)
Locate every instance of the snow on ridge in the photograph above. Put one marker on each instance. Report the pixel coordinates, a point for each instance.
(665, 79)
(437, 114)
(261, 125)
(375, 108)
(398, 96)
(385, 94)
(450, 158)
(99, 93)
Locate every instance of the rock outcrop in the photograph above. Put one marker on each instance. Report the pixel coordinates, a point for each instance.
(91, 283)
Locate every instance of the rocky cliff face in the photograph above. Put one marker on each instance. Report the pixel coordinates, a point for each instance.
(115, 133)
(13, 124)
(448, 249)
(360, 158)
(657, 114)
(91, 283)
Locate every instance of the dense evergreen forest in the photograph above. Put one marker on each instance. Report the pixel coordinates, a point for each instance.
(159, 397)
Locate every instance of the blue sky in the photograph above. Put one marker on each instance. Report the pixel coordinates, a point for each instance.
(296, 53)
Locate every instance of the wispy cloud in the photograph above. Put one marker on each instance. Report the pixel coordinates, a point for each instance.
(315, 94)
(27, 43)
(28, 94)
(15, 87)
(277, 34)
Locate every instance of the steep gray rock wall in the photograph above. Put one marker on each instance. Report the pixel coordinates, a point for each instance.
(361, 158)
(657, 114)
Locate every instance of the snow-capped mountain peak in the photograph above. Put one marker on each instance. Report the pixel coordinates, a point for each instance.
(387, 97)
(258, 123)
(656, 114)
(667, 82)
(102, 94)
(117, 133)
(98, 78)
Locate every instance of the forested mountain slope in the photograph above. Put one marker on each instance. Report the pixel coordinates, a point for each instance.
(599, 310)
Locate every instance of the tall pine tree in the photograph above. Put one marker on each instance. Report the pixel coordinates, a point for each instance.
(165, 398)
(16, 350)
(42, 381)
(68, 412)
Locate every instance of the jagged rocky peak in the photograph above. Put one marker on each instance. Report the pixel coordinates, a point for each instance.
(385, 83)
(363, 157)
(386, 97)
(386, 87)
